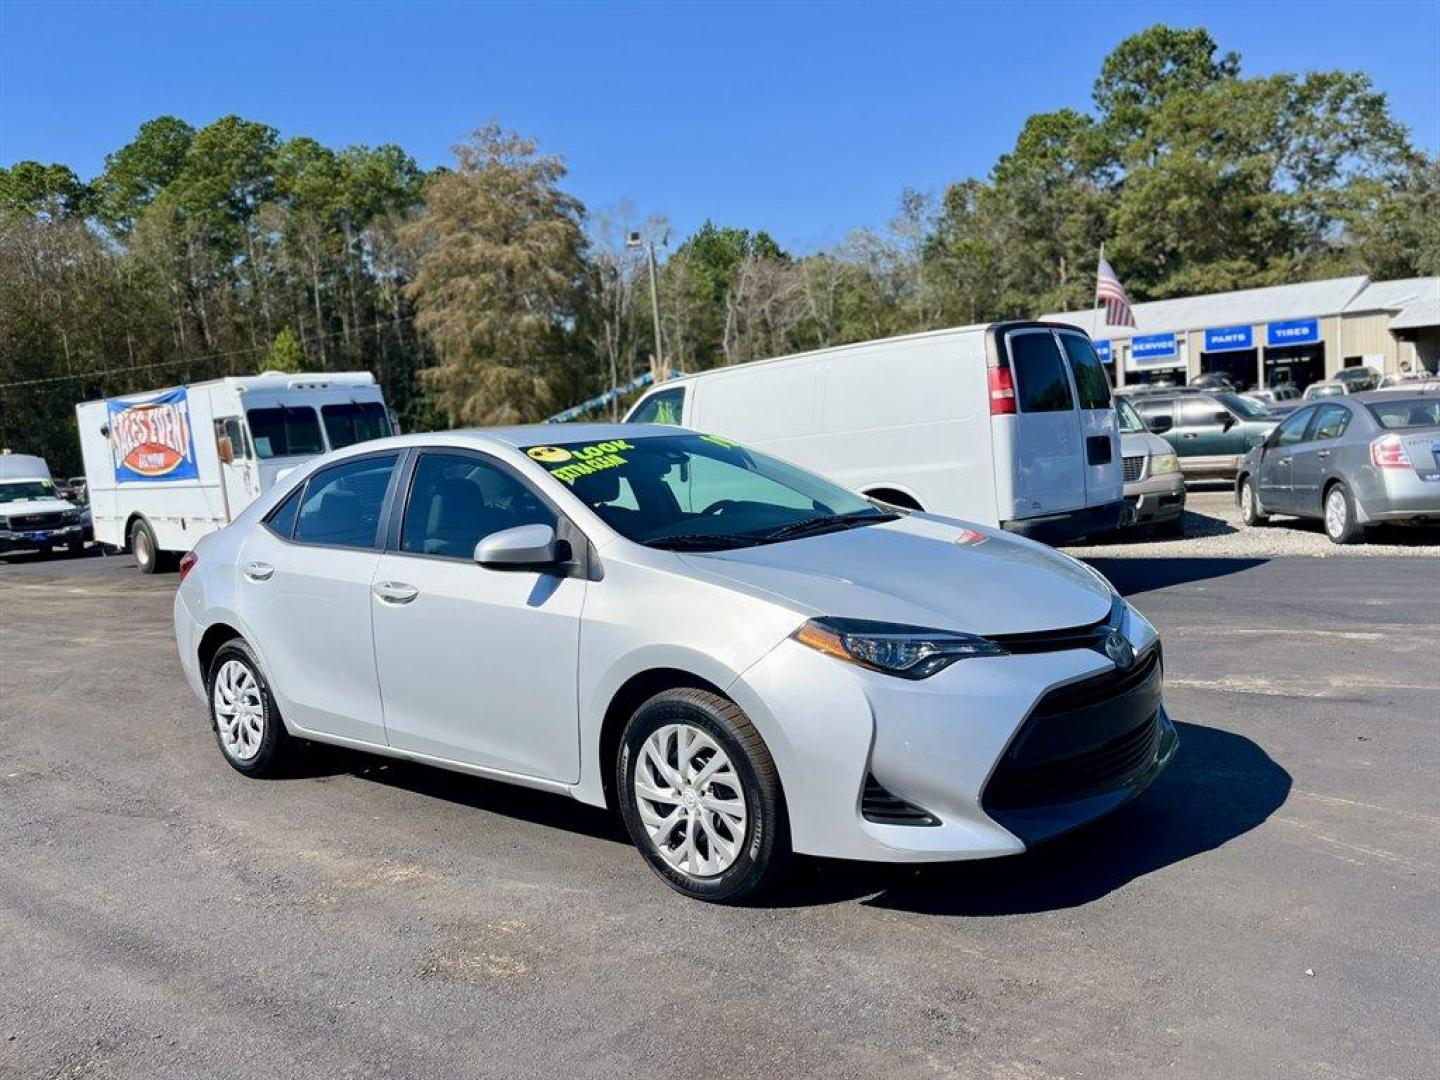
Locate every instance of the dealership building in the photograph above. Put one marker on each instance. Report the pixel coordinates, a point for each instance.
(1295, 334)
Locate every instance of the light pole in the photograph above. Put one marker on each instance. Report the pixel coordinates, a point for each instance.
(636, 240)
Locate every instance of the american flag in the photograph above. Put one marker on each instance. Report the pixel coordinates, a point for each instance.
(1111, 293)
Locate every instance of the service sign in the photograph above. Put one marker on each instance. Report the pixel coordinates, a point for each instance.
(151, 439)
(1228, 338)
(1153, 350)
(1104, 352)
(1294, 332)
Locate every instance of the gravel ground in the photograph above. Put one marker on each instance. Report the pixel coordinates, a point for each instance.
(1213, 529)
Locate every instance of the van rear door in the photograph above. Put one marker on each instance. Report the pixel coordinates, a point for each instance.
(1047, 448)
(1104, 476)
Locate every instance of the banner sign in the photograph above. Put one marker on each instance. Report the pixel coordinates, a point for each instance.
(1153, 350)
(151, 439)
(1103, 350)
(1227, 338)
(1294, 332)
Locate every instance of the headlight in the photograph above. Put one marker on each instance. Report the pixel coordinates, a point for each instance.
(911, 652)
(70, 517)
(1164, 463)
(4, 522)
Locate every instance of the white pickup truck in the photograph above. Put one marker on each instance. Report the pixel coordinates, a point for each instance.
(166, 467)
(33, 515)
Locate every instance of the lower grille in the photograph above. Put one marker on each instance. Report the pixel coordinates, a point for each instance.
(36, 521)
(1133, 467)
(883, 808)
(1083, 739)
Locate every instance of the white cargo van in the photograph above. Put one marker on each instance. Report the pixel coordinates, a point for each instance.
(165, 468)
(1007, 424)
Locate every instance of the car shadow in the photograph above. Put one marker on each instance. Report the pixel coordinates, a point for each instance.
(1133, 576)
(1219, 786)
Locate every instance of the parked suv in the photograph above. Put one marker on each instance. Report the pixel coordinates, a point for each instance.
(1210, 432)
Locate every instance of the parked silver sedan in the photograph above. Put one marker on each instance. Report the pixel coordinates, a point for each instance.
(1350, 461)
(1154, 485)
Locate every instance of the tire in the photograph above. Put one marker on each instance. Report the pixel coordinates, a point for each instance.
(1338, 514)
(143, 547)
(1250, 510)
(704, 869)
(256, 742)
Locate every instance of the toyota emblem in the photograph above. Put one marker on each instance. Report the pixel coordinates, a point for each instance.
(1118, 649)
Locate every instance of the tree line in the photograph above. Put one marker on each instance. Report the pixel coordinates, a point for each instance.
(486, 293)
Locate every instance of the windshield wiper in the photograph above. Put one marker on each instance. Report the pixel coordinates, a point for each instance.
(699, 541)
(824, 522)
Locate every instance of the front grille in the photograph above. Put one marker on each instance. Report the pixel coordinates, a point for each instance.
(1082, 739)
(1133, 466)
(37, 521)
(883, 808)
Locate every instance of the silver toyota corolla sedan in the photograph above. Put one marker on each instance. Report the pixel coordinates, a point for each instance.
(1351, 461)
(745, 659)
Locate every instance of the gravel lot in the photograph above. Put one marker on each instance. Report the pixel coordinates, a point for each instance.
(1270, 908)
(1213, 530)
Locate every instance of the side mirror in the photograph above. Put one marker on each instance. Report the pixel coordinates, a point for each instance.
(1158, 425)
(226, 449)
(1227, 421)
(525, 547)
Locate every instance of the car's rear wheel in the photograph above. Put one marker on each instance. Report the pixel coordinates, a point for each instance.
(1339, 512)
(701, 797)
(1250, 511)
(243, 713)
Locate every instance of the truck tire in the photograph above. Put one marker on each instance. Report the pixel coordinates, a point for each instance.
(143, 547)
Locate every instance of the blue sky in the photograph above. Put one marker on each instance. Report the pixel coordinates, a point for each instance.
(804, 119)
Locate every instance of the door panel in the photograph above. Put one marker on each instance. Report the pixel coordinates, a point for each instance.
(476, 665)
(1104, 480)
(1313, 455)
(1276, 467)
(1049, 455)
(305, 601)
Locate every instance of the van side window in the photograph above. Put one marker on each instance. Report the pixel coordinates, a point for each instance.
(1090, 378)
(342, 504)
(285, 430)
(665, 407)
(1040, 378)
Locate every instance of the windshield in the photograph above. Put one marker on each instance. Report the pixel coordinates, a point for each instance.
(27, 491)
(1129, 418)
(1323, 390)
(1407, 413)
(284, 431)
(700, 492)
(355, 422)
(1244, 407)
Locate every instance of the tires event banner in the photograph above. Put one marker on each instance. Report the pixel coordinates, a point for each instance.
(151, 439)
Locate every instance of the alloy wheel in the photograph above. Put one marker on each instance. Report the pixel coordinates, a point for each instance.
(690, 800)
(1336, 512)
(239, 711)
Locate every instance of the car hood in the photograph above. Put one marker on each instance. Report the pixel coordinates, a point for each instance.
(34, 506)
(921, 570)
(1138, 443)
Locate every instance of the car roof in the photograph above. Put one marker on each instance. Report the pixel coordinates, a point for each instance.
(1425, 390)
(522, 435)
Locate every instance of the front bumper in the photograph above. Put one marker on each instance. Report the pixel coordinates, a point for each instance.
(40, 539)
(1060, 529)
(1156, 499)
(936, 744)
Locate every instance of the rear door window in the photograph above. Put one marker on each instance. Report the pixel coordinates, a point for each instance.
(341, 506)
(1332, 422)
(1091, 382)
(1292, 430)
(1041, 383)
(284, 431)
(353, 422)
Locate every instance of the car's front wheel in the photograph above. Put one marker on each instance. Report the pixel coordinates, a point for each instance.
(701, 797)
(1250, 511)
(243, 713)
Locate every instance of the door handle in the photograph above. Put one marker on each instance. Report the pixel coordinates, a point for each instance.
(1284, 461)
(259, 571)
(1322, 453)
(395, 592)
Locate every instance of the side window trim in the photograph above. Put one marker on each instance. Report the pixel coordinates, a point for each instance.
(377, 544)
(395, 519)
(297, 493)
(1070, 370)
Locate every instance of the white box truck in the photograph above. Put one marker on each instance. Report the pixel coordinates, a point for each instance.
(1005, 424)
(166, 467)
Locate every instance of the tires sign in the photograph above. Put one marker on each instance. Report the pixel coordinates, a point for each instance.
(151, 439)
